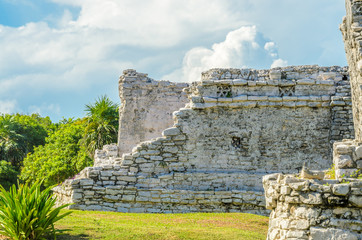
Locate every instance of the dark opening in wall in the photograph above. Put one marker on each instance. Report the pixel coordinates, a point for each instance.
(284, 75)
(236, 142)
(286, 91)
(344, 77)
(224, 92)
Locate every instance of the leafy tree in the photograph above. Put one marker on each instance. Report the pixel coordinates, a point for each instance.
(35, 128)
(19, 134)
(102, 124)
(8, 174)
(60, 158)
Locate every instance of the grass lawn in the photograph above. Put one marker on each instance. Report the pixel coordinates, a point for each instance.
(110, 225)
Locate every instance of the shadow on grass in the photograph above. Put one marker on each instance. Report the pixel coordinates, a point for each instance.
(63, 235)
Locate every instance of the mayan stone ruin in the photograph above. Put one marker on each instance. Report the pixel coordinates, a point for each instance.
(236, 141)
(237, 126)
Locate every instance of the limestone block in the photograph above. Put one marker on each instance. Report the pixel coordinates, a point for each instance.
(306, 81)
(86, 182)
(340, 189)
(292, 199)
(106, 173)
(290, 98)
(275, 74)
(331, 233)
(257, 98)
(150, 152)
(356, 200)
(288, 104)
(359, 164)
(344, 161)
(285, 190)
(240, 82)
(301, 224)
(89, 193)
(298, 186)
(343, 149)
(171, 131)
(170, 149)
(297, 234)
(345, 172)
(224, 100)
(311, 198)
(127, 178)
(240, 98)
(358, 152)
(93, 207)
(77, 196)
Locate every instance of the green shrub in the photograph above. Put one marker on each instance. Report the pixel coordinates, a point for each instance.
(27, 212)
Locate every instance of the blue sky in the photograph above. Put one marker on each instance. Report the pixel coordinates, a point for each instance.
(58, 55)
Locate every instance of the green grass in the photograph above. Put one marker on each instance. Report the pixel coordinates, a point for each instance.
(208, 226)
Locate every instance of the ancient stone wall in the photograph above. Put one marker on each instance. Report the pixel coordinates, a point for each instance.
(238, 126)
(352, 35)
(313, 209)
(146, 108)
(326, 209)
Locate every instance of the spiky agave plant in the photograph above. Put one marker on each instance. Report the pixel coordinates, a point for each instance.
(27, 212)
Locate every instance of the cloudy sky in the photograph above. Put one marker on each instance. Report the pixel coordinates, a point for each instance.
(58, 55)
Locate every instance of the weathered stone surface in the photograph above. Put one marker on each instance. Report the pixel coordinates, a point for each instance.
(356, 200)
(358, 152)
(312, 213)
(146, 108)
(345, 161)
(335, 234)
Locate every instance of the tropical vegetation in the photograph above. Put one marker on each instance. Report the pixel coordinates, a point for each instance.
(32, 147)
(61, 157)
(19, 134)
(102, 124)
(27, 213)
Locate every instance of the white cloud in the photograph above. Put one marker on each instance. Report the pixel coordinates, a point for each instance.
(84, 54)
(279, 63)
(242, 48)
(7, 106)
(154, 22)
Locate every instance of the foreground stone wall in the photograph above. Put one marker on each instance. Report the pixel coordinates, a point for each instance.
(146, 108)
(352, 36)
(238, 126)
(326, 209)
(313, 209)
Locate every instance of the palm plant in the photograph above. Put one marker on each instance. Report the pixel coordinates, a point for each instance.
(102, 124)
(27, 212)
(12, 144)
